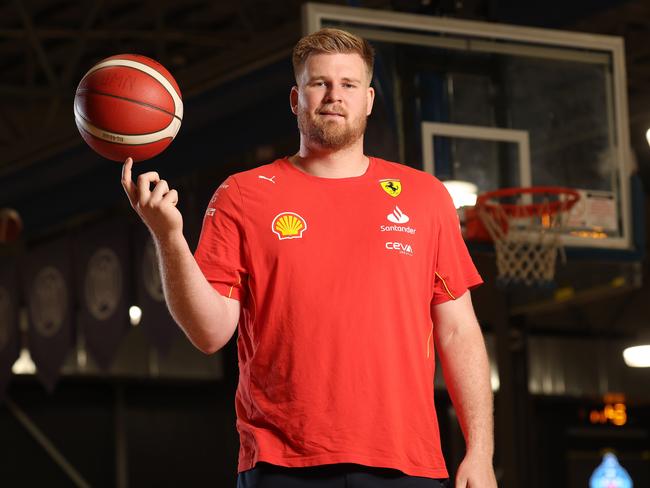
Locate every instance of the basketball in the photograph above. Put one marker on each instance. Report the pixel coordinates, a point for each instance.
(11, 225)
(128, 105)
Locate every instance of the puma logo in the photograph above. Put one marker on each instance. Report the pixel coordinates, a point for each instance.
(267, 178)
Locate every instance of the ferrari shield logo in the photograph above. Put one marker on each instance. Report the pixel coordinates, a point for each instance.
(392, 187)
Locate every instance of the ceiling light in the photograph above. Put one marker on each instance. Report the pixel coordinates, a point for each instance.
(24, 363)
(135, 314)
(637, 356)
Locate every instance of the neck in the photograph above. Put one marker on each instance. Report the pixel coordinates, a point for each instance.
(326, 163)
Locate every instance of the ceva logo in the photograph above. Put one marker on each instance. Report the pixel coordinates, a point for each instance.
(400, 247)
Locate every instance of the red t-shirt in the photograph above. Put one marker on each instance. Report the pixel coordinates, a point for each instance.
(336, 278)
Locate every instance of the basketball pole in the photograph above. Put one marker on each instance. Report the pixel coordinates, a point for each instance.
(511, 430)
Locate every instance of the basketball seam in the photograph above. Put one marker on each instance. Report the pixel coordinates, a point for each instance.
(141, 71)
(112, 131)
(120, 144)
(175, 91)
(144, 104)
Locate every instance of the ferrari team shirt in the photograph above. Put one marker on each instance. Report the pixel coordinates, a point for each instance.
(336, 279)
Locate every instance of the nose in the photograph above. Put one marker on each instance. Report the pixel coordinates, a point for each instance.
(333, 94)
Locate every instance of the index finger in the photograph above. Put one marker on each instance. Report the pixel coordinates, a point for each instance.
(127, 182)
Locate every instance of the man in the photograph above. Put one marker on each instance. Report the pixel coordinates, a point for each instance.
(342, 271)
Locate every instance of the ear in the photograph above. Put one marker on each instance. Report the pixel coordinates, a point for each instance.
(371, 100)
(293, 99)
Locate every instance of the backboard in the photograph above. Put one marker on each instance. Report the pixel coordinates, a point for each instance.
(502, 106)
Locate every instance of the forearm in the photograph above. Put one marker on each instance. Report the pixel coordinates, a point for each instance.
(197, 308)
(466, 371)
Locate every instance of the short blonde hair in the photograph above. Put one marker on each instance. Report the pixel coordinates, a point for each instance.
(332, 41)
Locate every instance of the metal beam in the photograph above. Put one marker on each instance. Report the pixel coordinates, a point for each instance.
(36, 43)
(50, 116)
(507, 438)
(29, 91)
(159, 25)
(242, 13)
(46, 444)
(192, 37)
(121, 453)
(80, 45)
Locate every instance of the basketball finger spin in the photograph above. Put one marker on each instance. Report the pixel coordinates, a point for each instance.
(128, 105)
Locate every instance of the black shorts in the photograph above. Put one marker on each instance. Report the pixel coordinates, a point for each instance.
(342, 475)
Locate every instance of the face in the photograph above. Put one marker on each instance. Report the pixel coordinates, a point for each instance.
(332, 100)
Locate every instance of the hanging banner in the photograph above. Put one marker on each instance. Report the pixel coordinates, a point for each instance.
(9, 334)
(157, 323)
(102, 272)
(48, 292)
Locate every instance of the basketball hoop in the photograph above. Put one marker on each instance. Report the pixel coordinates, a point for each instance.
(526, 225)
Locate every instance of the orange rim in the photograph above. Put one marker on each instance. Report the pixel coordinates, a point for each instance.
(485, 200)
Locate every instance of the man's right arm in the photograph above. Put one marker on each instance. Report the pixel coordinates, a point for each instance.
(207, 318)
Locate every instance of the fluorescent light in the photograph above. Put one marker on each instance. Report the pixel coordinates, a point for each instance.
(135, 314)
(637, 356)
(463, 193)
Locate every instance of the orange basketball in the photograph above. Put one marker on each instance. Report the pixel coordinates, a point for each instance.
(128, 105)
(11, 225)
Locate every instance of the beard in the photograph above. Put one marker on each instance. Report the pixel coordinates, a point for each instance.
(331, 134)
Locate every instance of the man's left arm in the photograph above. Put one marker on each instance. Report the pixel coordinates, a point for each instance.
(466, 369)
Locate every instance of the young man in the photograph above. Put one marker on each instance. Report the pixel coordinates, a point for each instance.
(342, 271)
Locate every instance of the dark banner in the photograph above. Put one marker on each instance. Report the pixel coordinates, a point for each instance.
(157, 323)
(9, 335)
(49, 295)
(102, 272)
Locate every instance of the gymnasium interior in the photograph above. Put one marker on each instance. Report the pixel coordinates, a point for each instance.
(495, 93)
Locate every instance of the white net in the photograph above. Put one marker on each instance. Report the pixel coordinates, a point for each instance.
(526, 235)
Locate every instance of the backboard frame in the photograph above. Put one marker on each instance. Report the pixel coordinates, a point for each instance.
(495, 134)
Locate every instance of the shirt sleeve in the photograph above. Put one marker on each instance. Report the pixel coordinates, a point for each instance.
(454, 271)
(220, 251)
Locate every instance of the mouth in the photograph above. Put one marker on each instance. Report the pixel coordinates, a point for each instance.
(331, 114)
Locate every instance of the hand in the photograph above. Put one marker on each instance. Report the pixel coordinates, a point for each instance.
(475, 472)
(157, 207)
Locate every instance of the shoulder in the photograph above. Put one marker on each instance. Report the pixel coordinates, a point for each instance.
(232, 186)
(250, 176)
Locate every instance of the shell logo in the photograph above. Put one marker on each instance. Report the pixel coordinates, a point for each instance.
(288, 225)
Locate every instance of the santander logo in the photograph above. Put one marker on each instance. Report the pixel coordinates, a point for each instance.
(398, 217)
